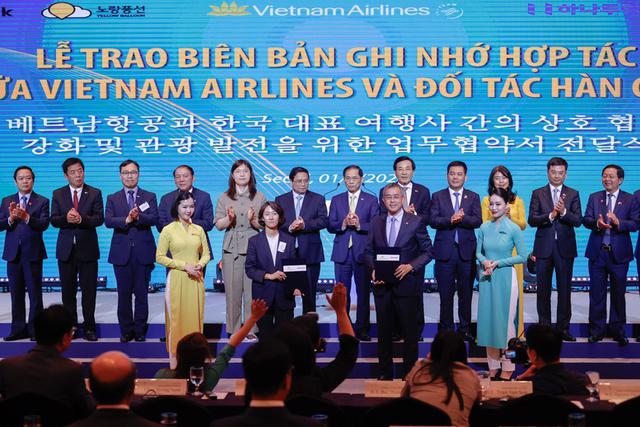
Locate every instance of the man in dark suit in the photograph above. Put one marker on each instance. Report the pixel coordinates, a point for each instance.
(112, 379)
(350, 215)
(184, 178)
(546, 372)
(636, 196)
(267, 369)
(305, 214)
(417, 201)
(77, 209)
(43, 370)
(555, 211)
(24, 216)
(398, 229)
(131, 212)
(611, 216)
(455, 214)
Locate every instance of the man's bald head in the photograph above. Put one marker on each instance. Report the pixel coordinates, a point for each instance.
(112, 378)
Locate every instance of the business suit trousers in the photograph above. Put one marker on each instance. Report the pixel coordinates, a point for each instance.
(87, 273)
(405, 308)
(309, 298)
(24, 276)
(133, 280)
(237, 290)
(601, 269)
(455, 275)
(344, 272)
(272, 318)
(564, 271)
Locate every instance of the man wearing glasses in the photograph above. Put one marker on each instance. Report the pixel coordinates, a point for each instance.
(305, 215)
(350, 214)
(131, 212)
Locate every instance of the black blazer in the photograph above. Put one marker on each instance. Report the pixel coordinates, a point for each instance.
(266, 417)
(539, 208)
(26, 237)
(114, 417)
(45, 371)
(91, 209)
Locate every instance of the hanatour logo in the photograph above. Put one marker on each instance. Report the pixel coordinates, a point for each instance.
(231, 9)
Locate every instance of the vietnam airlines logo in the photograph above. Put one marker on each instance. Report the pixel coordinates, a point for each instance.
(228, 9)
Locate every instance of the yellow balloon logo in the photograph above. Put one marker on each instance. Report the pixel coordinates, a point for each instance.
(61, 10)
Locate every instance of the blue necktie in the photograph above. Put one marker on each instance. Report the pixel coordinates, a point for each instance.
(298, 205)
(23, 202)
(456, 207)
(607, 233)
(393, 234)
(130, 200)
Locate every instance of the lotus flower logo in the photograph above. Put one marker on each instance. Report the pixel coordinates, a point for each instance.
(228, 9)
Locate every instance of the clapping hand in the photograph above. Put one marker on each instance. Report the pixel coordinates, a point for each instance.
(602, 224)
(73, 216)
(613, 218)
(458, 216)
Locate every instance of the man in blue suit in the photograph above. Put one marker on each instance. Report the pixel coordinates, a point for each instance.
(455, 214)
(350, 215)
(184, 177)
(417, 201)
(24, 216)
(131, 212)
(555, 212)
(305, 214)
(636, 196)
(77, 210)
(398, 229)
(611, 216)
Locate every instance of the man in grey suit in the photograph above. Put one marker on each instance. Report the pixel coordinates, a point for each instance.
(43, 369)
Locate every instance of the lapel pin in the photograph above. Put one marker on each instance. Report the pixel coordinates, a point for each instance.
(619, 203)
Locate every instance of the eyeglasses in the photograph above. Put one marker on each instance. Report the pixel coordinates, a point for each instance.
(301, 181)
(129, 173)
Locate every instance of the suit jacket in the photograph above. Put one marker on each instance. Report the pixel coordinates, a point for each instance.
(259, 262)
(114, 417)
(420, 198)
(135, 238)
(366, 209)
(441, 212)
(45, 371)
(266, 417)
(540, 207)
(627, 211)
(91, 210)
(314, 213)
(203, 214)
(415, 249)
(26, 237)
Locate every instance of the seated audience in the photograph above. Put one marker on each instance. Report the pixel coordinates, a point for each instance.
(43, 369)
(546, 372)
(302, 336)
(444, 380)
(267, 369)
(112, 379)
(193, 350)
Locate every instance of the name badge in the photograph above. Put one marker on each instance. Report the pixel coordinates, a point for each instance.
(388, 257)
(294, 268)
(282, 246)
(392, 389)
(143, 207)
(161, 387)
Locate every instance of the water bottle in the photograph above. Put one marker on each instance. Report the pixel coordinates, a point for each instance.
(169, 418)
(322, 419)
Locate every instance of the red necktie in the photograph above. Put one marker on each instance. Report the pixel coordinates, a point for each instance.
(75, 199)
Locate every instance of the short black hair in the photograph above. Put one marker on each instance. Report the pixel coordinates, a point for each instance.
(266, 365)
(70, 162)
(51, 324)
(296, 171)
(113, 392)
(402, 159)
(618, 168)
(545, 340)
(390, 186)
(183, 195)
(457, 163)
(276, 207)
(360, 172)
(557, 161)
(129, 162)
(500, 192)
(19, 168)
(186, 167)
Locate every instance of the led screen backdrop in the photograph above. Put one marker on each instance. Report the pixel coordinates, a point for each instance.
(318, 84)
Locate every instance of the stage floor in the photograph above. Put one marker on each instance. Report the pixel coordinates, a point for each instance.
(215, 307)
